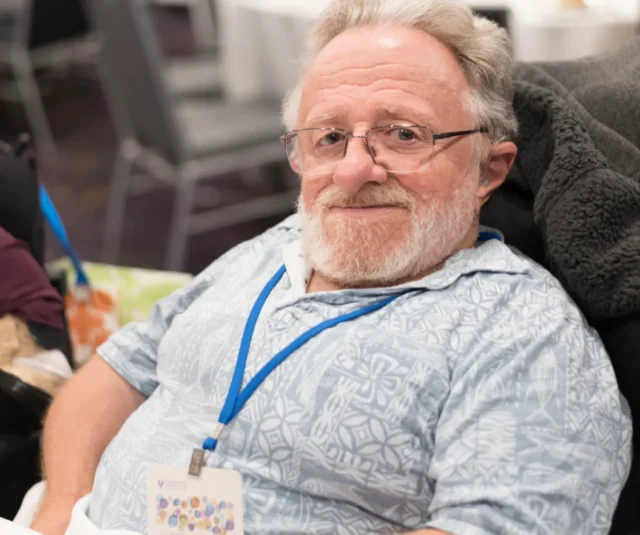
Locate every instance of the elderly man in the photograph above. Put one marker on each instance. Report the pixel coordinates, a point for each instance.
(376, 363)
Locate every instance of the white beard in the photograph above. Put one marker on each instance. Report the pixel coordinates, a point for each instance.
(357, 254)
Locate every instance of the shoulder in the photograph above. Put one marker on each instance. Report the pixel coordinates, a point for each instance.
(16, 261)
(512, 305)
(512, 279)
(7, 241)
(538, 292)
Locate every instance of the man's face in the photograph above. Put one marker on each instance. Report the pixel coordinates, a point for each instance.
(361, 224)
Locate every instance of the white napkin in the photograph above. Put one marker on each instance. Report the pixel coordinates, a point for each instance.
(53, 362)
(9, 528)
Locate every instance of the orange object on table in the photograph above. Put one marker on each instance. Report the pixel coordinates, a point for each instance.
(92, 316)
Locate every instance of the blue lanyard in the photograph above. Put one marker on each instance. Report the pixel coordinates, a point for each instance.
(56, 224)
(486, 235)
(237, 397)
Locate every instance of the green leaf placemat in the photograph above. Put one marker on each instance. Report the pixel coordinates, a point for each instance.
(137, 290)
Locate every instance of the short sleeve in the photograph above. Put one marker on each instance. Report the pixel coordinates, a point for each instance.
(534, 437)
(133, 350)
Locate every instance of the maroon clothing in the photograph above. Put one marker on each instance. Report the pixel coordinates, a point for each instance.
(25, 290)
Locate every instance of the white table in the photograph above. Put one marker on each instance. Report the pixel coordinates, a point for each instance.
(201, 18)
(556, 34)
(262, 41)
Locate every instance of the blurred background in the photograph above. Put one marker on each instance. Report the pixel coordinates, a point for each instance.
(156, 122)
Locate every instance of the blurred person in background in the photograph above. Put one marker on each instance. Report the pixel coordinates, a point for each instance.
(406, 371)
(31, 322)
(26, 294)
(25, 290)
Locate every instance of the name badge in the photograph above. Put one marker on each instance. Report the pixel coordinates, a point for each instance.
(179, 503)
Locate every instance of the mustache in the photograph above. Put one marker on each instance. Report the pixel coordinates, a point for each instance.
(368, 197)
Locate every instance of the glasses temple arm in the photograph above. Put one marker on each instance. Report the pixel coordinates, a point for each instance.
(448, 135)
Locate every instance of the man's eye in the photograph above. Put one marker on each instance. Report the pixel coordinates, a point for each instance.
(404, 134)
(331, 139)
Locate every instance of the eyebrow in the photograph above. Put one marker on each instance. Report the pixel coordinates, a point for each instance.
(324, 119)
(384, 112)
(405, 113)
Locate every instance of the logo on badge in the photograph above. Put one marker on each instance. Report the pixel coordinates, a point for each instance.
(160, 483)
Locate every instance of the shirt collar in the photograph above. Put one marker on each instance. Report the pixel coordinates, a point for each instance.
(490, 255)
(297, 269)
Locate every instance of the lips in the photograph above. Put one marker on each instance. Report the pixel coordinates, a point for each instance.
(363, 207)
(376, 212)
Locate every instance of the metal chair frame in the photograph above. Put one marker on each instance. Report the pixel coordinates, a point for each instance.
(151, 139)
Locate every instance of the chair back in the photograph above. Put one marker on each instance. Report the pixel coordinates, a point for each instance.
(133, 67)
(15, 21)
(53, 22)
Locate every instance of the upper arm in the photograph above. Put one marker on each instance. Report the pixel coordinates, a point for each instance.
(534, 437)
(132, 352)
(97, 376)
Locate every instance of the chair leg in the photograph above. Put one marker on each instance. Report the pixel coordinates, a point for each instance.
(178, 244)
(30, 95)
(114, 221)
(203, 25)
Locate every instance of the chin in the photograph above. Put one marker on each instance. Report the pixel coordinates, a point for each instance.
(357, 255)
(369, 256)
(367, 273)
(359, 252)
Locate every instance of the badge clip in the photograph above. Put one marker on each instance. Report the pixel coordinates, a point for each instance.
(197, 462)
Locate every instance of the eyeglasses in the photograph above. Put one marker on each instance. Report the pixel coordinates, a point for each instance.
(399, 149)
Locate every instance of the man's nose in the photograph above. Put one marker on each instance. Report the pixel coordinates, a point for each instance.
(358, 167)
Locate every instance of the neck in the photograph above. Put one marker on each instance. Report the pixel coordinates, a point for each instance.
(321, 283)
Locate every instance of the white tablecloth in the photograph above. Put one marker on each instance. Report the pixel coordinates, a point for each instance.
(79, 524)
(262, 41)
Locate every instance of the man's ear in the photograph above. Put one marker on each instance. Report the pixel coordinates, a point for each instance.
(495, 169)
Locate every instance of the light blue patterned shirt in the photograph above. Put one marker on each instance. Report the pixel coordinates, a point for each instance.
(480, 403)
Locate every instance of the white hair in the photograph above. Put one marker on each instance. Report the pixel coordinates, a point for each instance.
(482, 48)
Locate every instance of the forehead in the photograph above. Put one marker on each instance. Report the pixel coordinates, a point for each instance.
(375, 69)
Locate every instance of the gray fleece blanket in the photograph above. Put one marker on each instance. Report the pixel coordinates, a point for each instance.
(572, 200)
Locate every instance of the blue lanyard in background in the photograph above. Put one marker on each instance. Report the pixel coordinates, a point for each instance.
(55, 222)
(237, 397)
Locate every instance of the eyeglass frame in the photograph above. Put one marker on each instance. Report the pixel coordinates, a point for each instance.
(435, 137)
